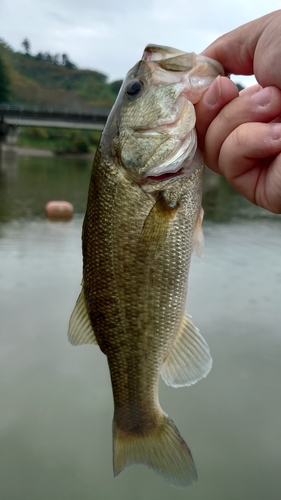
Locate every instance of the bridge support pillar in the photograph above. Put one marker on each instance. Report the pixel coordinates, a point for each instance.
(8, 133)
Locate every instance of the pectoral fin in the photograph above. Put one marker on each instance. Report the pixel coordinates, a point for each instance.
(189, 359)
(80, 329)
(156, 227)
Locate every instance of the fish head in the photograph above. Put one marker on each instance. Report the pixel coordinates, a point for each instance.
(153, 120)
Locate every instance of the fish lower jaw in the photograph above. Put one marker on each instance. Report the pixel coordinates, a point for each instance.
(153, 185)
(163, 177)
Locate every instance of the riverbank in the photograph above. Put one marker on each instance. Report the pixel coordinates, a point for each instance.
(40, 152)
(59, 141)
(27, 151)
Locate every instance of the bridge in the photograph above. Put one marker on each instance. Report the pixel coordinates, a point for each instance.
(12, 117)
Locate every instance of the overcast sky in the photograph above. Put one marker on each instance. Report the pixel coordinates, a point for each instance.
(109, 35)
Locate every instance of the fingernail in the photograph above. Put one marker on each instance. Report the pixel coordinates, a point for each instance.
(262, 97)
(213, 93)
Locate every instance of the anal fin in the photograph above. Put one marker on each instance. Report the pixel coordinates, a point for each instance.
(189, 359)
(80, 330)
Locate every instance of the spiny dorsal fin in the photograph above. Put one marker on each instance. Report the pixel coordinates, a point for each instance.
(80, 329)
(189, 359)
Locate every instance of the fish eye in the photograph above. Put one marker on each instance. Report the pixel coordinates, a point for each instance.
(134, 87)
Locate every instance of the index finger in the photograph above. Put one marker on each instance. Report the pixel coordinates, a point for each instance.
(253, 48)
(235, 50)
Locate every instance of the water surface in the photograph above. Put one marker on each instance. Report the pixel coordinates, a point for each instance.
(56, 402)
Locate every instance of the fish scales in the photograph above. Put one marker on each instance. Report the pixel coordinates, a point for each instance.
(142, 221)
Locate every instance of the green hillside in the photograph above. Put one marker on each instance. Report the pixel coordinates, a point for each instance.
(53, 80)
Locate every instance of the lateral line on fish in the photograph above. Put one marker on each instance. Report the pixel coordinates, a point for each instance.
(124, 327)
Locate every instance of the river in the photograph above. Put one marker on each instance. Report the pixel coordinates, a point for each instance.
(55, 399)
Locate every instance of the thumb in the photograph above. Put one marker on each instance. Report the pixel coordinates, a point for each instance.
(220, 92)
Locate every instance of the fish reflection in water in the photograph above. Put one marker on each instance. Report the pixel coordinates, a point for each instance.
(142, 221)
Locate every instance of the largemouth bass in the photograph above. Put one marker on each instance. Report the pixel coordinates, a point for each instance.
(143, 220)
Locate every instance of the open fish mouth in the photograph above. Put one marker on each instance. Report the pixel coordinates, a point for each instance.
(164, 177)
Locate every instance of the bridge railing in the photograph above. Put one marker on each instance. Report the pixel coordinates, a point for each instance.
(94, 115)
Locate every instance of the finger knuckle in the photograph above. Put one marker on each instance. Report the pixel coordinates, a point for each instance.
(239, 137)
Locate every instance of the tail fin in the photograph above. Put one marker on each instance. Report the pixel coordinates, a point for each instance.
(161, 449)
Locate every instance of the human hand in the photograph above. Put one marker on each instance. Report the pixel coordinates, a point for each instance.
(240, 134)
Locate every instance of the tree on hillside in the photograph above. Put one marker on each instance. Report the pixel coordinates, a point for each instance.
(5, 83)
(6, 45)
(66, 62)
(26, 45)
(57, 59)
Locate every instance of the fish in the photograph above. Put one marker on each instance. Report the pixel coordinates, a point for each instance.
(142, 222)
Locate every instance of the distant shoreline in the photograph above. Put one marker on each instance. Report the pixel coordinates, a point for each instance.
(40, 152)
(27, 151)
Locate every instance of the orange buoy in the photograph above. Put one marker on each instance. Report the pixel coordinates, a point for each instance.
(59, 209)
